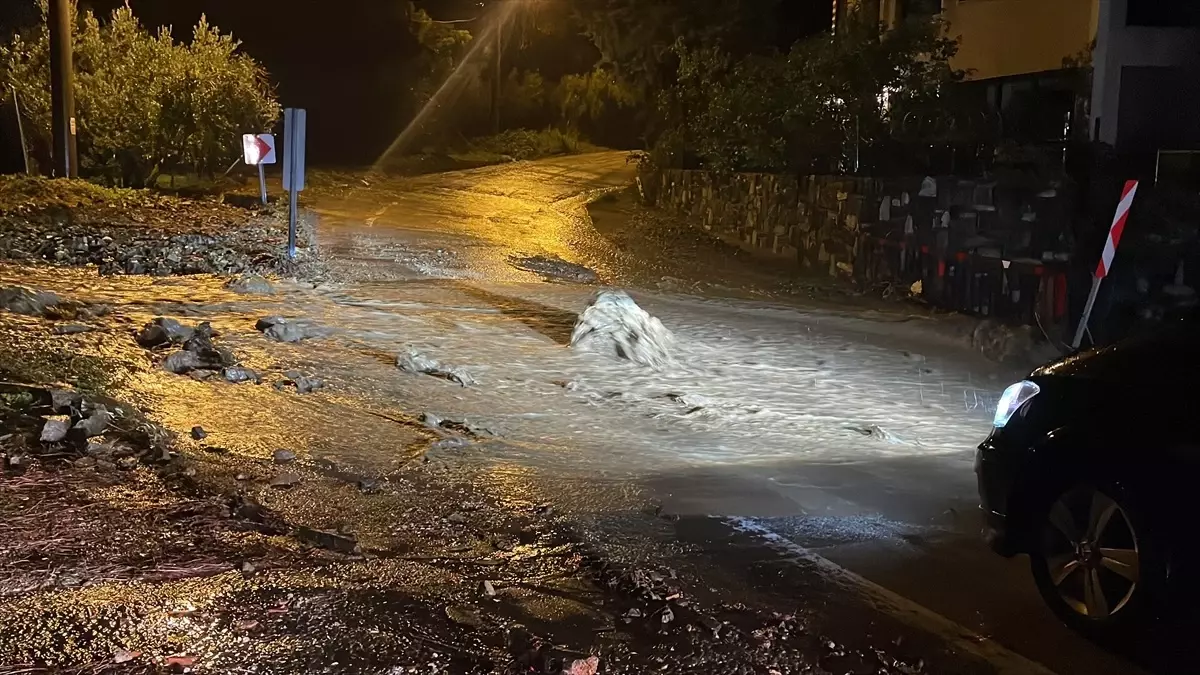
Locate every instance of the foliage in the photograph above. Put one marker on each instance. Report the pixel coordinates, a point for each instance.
(144, 102)
(636, 37)
(591, 96)
(804, 109)
(524, 98)
(526, 144)
(442, 48)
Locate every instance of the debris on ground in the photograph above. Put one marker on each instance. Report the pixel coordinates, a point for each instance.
(282, 456)
(614, 324)
(250, 284)
(73, 222)
(72, 329)
(303, 383)
(239, 374)
(555, 268)
(198, 356)
(20, 300)
(287, 330)
(162, 331)
(199, 434)
(332, 541)
(413, 361)
(285, 480)
(588, 666)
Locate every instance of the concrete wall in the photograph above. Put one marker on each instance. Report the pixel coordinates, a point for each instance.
(1000, 38)
(1120, 47)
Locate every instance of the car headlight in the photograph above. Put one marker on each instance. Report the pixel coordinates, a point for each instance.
(1011, 401)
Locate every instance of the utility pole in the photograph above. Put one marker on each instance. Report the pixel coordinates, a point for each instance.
(62, 90)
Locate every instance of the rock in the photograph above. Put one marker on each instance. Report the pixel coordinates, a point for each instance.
(182, 362)
(199, 434)
(250, 284)
(588, 666)
(288, 332)
(72, 329)
(711, 623)
(285, 480)
(54, 431)
(369, 486)
(202, 375)
(267, 321)
(63, 400)
(99, 450)
(613, 323)
(285, 330)
(200, 342)
(85, 463)
(163, 331)
(94, 424)
(127, 463)
(412, 361)
(487, 588)
(238, 374)
(20, 300)
(333, 541)
(284, 456)
(457, 518)
(464, 615)
(555, 268)
(307, 385)
(105, 465)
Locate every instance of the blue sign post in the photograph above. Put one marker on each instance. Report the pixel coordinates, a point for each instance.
(294, 120)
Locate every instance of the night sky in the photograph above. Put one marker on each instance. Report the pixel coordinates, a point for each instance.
(341, 60)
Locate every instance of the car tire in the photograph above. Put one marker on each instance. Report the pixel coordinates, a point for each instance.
(1096, 562)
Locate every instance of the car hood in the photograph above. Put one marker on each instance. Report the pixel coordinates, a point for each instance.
(1146, 359)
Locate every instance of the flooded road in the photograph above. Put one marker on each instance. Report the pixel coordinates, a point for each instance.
(787, 455)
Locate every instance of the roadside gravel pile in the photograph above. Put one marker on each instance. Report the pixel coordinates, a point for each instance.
(72, 222)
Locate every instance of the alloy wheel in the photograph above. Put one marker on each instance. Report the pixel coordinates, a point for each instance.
(1091, 552)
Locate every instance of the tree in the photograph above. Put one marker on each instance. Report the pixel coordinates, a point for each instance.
(442, 48)
(637, 38)
(808, 108)
(145, 103)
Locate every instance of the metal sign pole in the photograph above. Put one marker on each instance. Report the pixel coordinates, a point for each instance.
(292, 224)
(294, 120)
(21, 130)
(1087, 312)
(262, 183)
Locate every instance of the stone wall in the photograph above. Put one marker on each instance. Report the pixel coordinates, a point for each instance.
(983, 246)
(757, 211)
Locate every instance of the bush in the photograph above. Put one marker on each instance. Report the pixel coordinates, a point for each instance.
(144, 103)
(526, 144)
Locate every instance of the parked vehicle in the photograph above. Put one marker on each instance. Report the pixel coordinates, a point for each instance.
(1090, 470)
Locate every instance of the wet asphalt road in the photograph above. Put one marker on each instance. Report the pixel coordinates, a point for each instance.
(894, 515)
(805, 458)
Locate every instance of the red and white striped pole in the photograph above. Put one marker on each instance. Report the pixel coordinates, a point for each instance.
(1106, 258)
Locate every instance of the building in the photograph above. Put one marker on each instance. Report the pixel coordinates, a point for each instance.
(1124, 72)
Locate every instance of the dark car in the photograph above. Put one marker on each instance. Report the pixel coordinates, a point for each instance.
(1093, 470)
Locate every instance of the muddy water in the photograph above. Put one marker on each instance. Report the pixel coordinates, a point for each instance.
(429, 267)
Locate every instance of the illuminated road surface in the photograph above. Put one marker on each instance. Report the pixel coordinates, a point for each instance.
(849, 435)
(786, 442)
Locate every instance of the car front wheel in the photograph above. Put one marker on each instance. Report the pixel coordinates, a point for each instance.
(1094, 562)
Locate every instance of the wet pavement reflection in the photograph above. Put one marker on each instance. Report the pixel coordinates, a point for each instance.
(845, 433)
